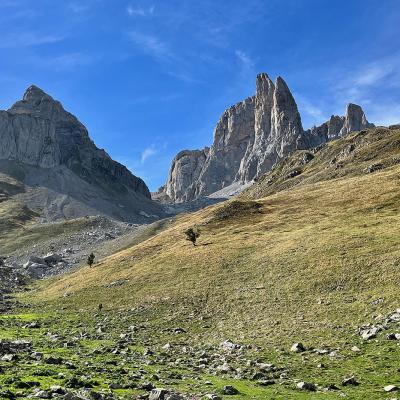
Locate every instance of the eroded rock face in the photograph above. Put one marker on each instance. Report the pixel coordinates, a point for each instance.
(278, 128)
(355, 120)
(185, 170)
(38, 131)
(250, 138)
(232, 135)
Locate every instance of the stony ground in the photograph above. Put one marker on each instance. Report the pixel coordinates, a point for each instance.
(125, 355)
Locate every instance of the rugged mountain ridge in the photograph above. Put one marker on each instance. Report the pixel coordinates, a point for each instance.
(335, 127)
(38, 131)
(49, 150)
(250, 138)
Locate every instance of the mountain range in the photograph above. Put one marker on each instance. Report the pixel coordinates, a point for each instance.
(249, 139)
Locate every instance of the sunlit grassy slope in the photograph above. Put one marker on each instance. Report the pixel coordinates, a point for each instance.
(306, 262)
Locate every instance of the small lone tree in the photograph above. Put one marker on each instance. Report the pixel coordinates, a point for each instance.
(90, 259)
(192, 234)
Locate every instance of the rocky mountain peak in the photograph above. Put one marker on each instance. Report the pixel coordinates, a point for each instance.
(353, 120)
(34, 94)
(250, 138)
(282, 92)
(39, 133)
(264, 85)
(38, 103)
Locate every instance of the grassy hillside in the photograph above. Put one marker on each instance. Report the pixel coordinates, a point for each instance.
(307, 258)
(356, 154)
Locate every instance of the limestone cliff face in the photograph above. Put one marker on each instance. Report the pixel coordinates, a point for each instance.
(185, 170)
(250, 138)
(38, 131)
(277, 128)
(232, 135)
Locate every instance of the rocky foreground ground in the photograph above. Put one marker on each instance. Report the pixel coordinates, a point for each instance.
(124, 355)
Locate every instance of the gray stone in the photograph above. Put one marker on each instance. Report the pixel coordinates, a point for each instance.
(393, 336)
(157, 394)
(306, 386)
(212, 396)
(350, 381)
(370, 333)
(297, 348)
(52, 258)
(229, 390)
(390, 388)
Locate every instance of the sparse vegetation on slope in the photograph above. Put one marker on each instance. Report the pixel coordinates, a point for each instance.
(311, 264)
(356, 154)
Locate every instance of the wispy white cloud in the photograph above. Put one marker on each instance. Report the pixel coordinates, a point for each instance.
(244, 59)
(147, 153)
(140, 11)
(151, 45)
(373, 74)
(314, 113)
(28, 39)
(65, 62)
(372, 85)
(173, 64)
(361, 83)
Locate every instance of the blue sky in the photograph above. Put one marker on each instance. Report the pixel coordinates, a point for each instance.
(150, 78)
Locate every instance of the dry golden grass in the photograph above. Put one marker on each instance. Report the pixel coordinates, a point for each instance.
(307, 264)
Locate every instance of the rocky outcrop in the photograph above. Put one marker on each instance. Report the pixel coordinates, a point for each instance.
(250, 138)
(354, 120)
(277, 128)
(185, 171)
(38, 131)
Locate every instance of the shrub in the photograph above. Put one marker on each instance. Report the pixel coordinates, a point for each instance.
(192, 234)
(90, 259)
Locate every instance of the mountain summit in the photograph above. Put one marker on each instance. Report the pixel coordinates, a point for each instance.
(249, 139)
(49, 148)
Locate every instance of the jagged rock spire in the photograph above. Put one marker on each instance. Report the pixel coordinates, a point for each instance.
(355, 119)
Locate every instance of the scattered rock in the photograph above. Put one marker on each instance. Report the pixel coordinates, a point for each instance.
(227, 344)
(306, 386)
(297, 348)
(369, 333)
(157, 394)
(229, 390)
(393, 336)
(350, 381)
(390, 388)
(212, 396)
